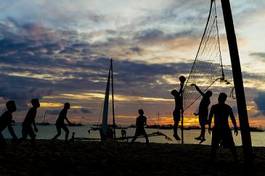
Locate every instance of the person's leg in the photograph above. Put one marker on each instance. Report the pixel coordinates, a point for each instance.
(135, 137)
(66, 130)
(229, 142)
(175, 129)
(146, 138)
(2, 141)
(215, 143)
(203, 123)
(203, 132)
(234, 153)
(200, 122)
(58, 128)
(31, 134)
(24, 133)
(213, 151)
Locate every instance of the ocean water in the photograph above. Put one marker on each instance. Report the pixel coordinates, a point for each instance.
(47, 132)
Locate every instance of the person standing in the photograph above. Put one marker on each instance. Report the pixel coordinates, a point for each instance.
(29, 126)
(221, 133)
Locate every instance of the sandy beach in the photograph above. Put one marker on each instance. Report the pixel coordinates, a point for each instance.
(95, 158)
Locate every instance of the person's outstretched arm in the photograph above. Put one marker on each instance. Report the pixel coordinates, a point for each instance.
(198, 89)
(210, 120)
(68, 121)
(181, 88)
(233, 121)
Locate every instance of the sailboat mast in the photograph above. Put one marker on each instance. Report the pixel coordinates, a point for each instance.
(104, 128)
(112, 92)
(44, 116)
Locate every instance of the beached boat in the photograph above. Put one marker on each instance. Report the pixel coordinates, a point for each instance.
(44, 122)
(107, 131)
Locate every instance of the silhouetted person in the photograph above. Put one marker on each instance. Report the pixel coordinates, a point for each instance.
(221, 133)
(29, 121)
(140, 124)
(178, 96)
(203, 111)
(60, 122)
(6, 120)
(123, 134)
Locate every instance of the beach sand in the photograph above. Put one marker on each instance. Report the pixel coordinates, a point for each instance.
(94, 158)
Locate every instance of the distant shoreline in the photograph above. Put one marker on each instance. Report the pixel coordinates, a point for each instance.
(162, 127)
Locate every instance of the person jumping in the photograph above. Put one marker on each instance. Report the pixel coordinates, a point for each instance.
(178, 97)
(203, 111)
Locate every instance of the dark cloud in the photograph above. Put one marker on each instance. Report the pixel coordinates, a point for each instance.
(56, 62)
(73, 70)
(260, 55)
(77, 69)
(136, 49)
(260, 102)
(22, 90)
(53, 111)
(85, 110)
(159, 35)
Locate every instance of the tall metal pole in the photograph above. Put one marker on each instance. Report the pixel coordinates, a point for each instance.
(113, 108)
(182, 125)
(238, 80)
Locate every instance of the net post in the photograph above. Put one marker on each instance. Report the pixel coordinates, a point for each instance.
(182, 126)
(238, 81)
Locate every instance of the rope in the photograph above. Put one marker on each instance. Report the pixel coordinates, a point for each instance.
(208, 49)
(218, 38)
(202, 39)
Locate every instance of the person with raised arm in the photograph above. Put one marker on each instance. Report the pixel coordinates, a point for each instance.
(203, 111)
(178, 97)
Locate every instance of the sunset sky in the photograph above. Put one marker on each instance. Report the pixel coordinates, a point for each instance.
(59, 52)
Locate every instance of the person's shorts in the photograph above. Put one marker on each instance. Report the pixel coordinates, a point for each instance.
(176, 116)
(140, 131)
(28, 130)
(222, 137)
(203, 116)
